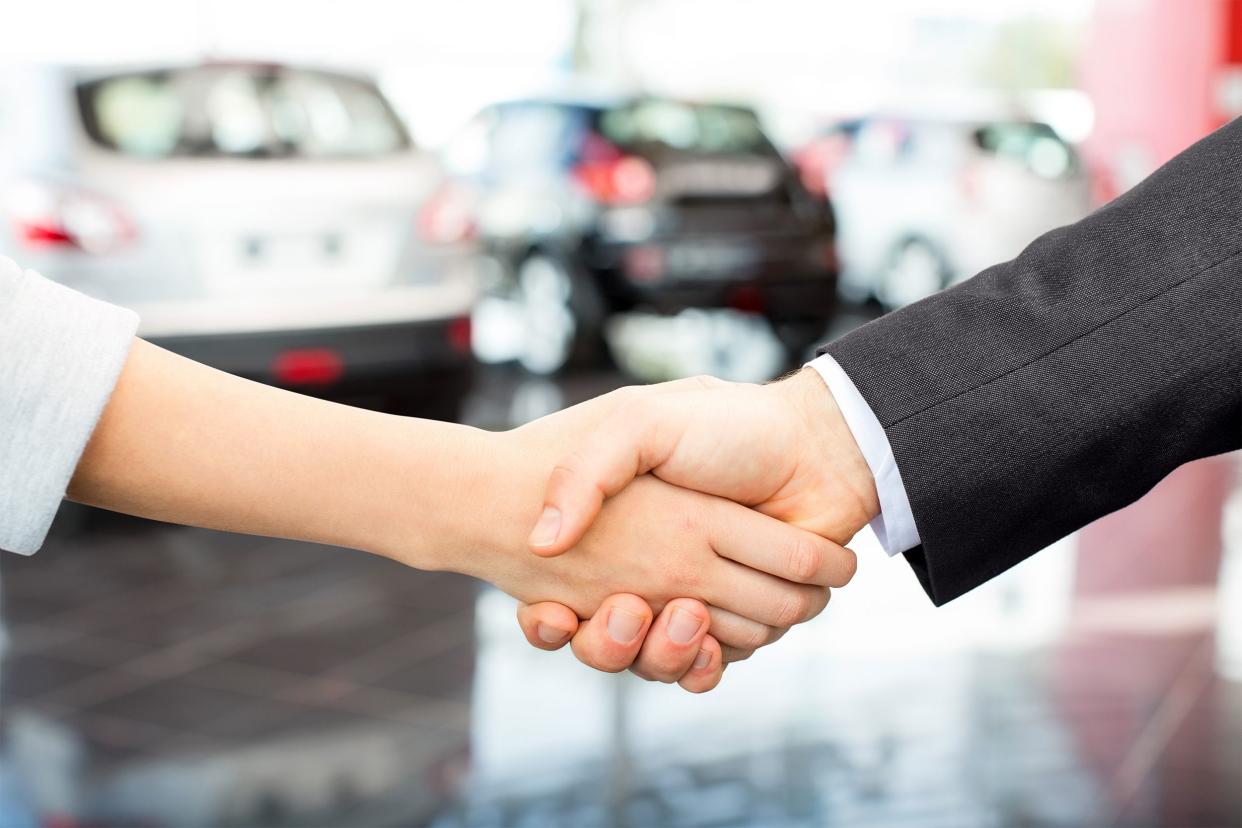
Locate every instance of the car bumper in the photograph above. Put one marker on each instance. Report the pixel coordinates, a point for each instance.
(811, 298)
(789, 278)
(405, 359)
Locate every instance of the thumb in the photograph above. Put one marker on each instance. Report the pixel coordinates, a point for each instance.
(635, 439)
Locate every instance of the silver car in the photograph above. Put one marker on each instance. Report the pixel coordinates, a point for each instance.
(272, 221)
(922, 203)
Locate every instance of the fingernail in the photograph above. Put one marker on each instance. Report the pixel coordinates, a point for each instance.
(550, 635)
(548, 527)
(703, 659)
(623, 625)
(683, 626)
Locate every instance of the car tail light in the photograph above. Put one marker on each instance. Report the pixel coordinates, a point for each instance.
(626, 180)
(47, 215)
(748, 299)
(459, 334)
(612, 177)
(309, 366)
(447, 217)
(812, 167)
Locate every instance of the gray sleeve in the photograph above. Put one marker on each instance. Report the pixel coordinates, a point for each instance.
(60, 356)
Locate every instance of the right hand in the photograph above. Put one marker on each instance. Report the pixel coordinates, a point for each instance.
(782, 448)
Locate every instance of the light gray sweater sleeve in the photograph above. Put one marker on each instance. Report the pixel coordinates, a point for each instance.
(60, 356)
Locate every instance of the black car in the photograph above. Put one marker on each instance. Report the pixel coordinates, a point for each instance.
(594, 208)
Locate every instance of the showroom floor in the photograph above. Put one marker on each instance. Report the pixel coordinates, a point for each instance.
(164, 676)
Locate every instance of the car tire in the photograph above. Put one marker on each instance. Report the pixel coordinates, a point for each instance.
(562, 315)
(915, 270)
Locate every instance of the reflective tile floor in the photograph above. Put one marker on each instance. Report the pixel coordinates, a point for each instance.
(158, 676)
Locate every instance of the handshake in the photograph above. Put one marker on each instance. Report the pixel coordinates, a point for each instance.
(685, 525)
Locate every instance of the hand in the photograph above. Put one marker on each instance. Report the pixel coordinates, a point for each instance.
(784, 448)
(661, 654)
(654, 540)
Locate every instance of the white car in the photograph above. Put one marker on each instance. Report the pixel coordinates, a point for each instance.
(922, 204)
(273, 221)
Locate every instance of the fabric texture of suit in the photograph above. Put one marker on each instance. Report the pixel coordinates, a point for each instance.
(1060, 386)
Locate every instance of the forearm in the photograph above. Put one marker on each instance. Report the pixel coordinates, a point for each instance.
(184, 443)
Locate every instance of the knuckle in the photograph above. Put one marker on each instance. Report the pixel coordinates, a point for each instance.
(805, 560)
(625, 394)
(683, 577)
(753, 637)
(793, 608)
(818, 602)
(642, 673)
(563, 471)
(634, 410)
(661, 664)
(596, 660)
(773, 635)
(698, 686)
(849, 568)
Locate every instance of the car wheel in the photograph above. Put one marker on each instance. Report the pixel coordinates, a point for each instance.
(558, 320)
(915, 270)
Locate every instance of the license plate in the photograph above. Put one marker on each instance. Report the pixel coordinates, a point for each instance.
(282, 252)
(297, 262)
(708, 259)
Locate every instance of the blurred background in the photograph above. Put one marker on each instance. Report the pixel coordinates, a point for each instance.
(485, 211)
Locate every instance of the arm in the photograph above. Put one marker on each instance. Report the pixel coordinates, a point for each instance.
(182, 442)
(1055, 388)
(1042, 394)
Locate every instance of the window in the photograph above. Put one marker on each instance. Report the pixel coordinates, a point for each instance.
(690, 127)
(236, 111)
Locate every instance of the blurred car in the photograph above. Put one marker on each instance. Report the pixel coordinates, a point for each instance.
(596, 207)
(272, 221)
(924, 203)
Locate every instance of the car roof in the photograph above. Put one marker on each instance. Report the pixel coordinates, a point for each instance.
(603, 102)
(86, 73)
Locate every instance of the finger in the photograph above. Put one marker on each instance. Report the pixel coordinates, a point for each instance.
(707, 669)
(733, 630)
(732, 655)
(630, 442)
(547, 625)
(762, 597)
(610, 639)
(674, 641)
(768, 545)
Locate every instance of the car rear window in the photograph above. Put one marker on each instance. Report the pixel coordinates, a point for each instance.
(244, 112)
(1033, 144)
(682, 126)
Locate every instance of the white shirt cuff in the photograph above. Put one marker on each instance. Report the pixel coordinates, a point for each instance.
(894, 527)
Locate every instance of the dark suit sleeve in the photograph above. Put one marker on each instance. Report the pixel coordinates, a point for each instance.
(1060, 386)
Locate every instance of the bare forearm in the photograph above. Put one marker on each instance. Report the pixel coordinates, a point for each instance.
(184, 443)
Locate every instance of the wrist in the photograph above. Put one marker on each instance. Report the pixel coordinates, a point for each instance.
(830, 443)
(440, 482)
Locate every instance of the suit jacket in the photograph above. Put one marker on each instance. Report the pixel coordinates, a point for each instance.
(1062, 385)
